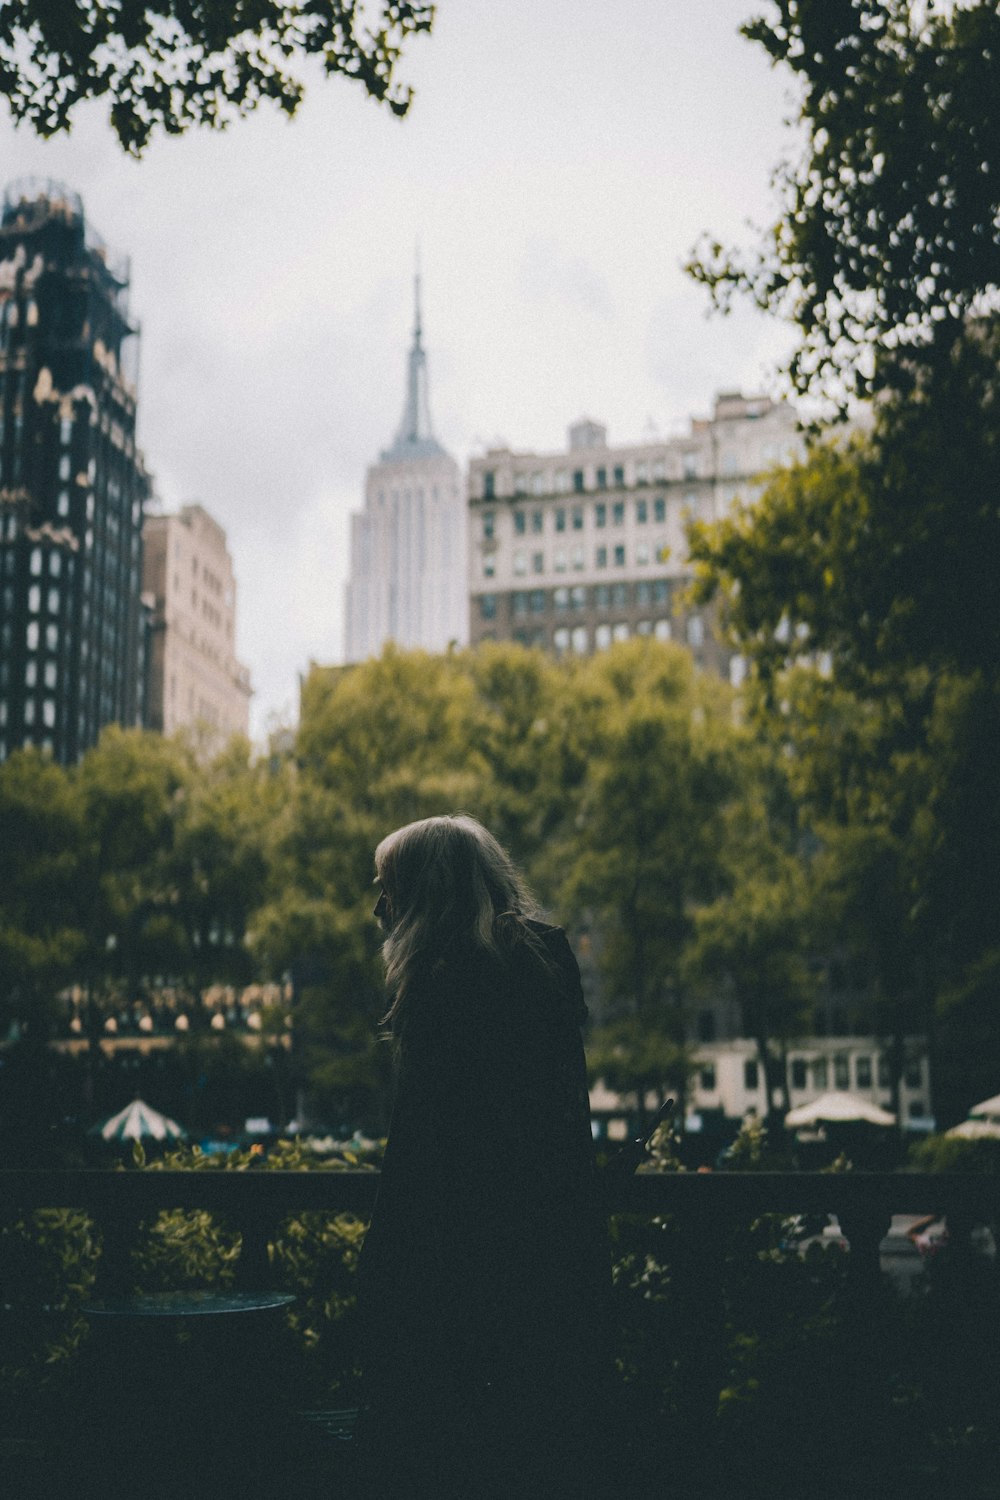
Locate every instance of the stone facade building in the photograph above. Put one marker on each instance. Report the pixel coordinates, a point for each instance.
(408, 552)
(72, 482)
(572, 550)
(195, 679)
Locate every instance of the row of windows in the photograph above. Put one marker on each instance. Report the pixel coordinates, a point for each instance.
(821, 1071)
(563, 481)
(656, 591)
(573, 518)
(616, 557)
(578, 639)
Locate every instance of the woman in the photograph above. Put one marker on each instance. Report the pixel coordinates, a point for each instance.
(485, 1273)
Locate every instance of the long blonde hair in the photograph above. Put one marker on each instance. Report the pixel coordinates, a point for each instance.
(447, 879)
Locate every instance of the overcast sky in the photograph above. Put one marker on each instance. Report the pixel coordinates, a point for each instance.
(559, 161)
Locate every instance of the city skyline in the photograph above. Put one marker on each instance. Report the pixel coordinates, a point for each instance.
(556, 172)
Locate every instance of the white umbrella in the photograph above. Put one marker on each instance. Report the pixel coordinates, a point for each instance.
(139, 1121)
(988, 1110)
(837, 1108)
(976, 1130)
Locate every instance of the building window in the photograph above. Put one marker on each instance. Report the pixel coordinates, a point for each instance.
(64, 466)
(538, 562)
(799, 1074)
(53, 601)
(579, 596)
(578, 518)
(602, 479)
(619, 557)
(560, 598)
(560, 639)
(578, 559)
(602, 637)
(538, 601)
(35, 563)
(520, 484)
(560, 519)
(489, 566)
(559, 560)
(706, 1078)
(601, 557)
(50, 674)
(487, 606)
(30, 673)
(619, 474)
(520, 523)
(642, 511)
(55, 563)
(618, 513)
(49, 713)
(819, 1072)
(841, 1073)
(29, 710)
(31, 635)
(661, 591)
(578, 481)
(619, 595)
(489, 485)
(538, 484)
(520, 602)
(600, 514)
(644, 627)
(602, 596)
(580, 639)
(489, 524)
(660, 509)
(642, 554)
(620, 632)
(751, 1075)
(641, 473)
(34, 598)
(690, 466)
(695, 631)
(863, 1072)
(561, 481)
(520, 563)
(537, 520)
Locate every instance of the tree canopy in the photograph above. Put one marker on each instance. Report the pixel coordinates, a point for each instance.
(888, 213)
(171, 64)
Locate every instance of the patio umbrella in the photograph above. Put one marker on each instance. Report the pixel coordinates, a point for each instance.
(837, 1108)
(138, 1121)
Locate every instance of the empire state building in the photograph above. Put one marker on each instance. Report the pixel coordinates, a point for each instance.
(408, 552)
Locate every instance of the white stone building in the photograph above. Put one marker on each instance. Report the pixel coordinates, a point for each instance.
(408, 580)
(572, 550)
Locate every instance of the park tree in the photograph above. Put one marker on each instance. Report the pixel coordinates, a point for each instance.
(874, 557)
(41, 934)
(885, 241)
(169, 64)
(640, 847)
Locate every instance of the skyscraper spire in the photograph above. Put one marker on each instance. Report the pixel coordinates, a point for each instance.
(414, 437)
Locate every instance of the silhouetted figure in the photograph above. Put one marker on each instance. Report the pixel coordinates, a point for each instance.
(485, 1274)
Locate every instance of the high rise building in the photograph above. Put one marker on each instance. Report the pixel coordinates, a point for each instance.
(570, 551)
(408, 550)
(72, 482)
(195, 679)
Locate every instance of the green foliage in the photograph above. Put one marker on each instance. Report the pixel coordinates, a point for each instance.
(950, 1153)
(170, 65)
(888, 211)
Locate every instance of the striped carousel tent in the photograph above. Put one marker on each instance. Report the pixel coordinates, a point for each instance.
(138, 1121)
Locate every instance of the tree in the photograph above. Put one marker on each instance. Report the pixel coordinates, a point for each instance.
(642, 839)
(758, 934)
(886, 239)
(171, 64)
(42, 838)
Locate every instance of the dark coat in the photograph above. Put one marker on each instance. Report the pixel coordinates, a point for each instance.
(485, 1273)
